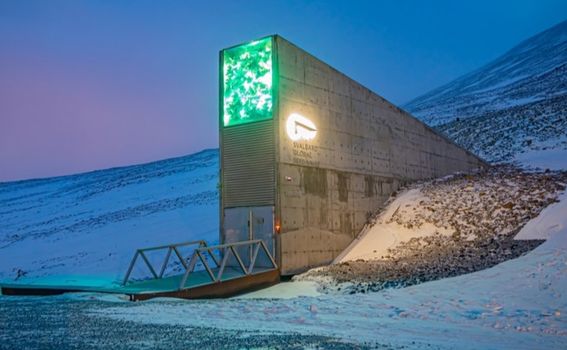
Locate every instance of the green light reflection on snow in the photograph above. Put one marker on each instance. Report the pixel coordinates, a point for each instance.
(247, 83)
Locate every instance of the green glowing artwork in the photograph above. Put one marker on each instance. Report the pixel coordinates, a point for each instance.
(247, 83)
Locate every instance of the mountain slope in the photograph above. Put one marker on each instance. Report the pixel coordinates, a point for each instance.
(92, 222)
(515, 104)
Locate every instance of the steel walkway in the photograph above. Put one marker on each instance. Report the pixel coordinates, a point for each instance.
(208, 272)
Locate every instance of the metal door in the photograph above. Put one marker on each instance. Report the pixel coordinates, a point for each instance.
(262, 227)
(247, 223)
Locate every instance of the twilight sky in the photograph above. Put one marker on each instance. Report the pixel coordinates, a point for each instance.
(87, 85)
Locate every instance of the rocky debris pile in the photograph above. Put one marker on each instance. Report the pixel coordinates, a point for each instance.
(483, 212)
(503, 134)
(494, 201)
(421, 260)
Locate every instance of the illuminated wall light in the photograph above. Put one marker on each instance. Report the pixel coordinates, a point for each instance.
(247, 83)
(300, 128)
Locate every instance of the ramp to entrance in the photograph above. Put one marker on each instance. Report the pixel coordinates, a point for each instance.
(224, 270)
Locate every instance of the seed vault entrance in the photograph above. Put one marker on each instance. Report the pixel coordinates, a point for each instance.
(250, 223)
(307, 154)
(247, 138)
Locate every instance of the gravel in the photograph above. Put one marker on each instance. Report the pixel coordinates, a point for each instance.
(484, 211)
(63, 323)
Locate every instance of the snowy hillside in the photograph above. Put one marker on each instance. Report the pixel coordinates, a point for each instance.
(519, 304)
(91, 223)
(515, 104)
(443, 228)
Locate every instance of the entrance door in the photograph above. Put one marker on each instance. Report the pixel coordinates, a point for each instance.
(247, 223)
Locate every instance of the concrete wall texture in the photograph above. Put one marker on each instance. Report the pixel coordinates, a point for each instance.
(365, 148)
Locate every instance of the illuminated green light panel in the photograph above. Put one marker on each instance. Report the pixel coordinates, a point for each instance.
(247, 83)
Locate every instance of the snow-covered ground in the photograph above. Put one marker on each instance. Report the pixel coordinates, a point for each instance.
(520, 304)
(386, 234)
(553, 159)
(550, 222)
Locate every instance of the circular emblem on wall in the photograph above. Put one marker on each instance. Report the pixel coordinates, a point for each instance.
(300, 128)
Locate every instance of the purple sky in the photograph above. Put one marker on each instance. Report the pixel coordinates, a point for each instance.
(87, 85)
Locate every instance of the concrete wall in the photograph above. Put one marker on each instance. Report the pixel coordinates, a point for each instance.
(365, 149)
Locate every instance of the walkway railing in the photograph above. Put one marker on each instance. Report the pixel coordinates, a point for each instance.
(171, 248)
(199, 254)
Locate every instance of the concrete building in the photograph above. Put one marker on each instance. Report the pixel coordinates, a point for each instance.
(308, 154)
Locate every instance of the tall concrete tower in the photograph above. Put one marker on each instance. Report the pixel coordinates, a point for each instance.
(307, 154)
